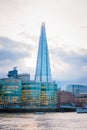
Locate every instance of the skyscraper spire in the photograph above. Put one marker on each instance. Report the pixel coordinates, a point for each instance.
(43, 72)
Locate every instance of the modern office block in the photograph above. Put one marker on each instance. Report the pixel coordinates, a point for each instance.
(39, 94)
(76, 89)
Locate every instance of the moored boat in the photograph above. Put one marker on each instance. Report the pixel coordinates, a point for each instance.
(81, 110)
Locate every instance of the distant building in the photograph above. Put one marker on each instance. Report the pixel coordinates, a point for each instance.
(81, 100)
(13, 73)
(76, 89)
(24, 77)
(65, 98)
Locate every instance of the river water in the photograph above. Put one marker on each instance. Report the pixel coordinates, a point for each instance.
(43, 121)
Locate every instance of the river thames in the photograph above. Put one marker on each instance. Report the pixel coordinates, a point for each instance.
(44, 121)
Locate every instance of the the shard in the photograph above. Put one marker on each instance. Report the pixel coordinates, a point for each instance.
(43, 71)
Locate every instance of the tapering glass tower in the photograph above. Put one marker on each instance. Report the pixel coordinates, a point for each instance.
(43, 71)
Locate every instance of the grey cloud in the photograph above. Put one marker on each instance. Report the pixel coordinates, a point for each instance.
(9, 44)
(10, 55)
(73, 57)
(13, 51)
(77, 62)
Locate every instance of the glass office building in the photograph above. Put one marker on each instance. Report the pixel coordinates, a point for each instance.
(77, 89)
(37, 94)
(14, 93)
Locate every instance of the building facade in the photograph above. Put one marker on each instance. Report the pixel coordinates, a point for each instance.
(81, 100)
(10, 92)
(37, 94)
(65, 98)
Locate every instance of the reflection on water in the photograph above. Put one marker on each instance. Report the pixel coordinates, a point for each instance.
(43, 121)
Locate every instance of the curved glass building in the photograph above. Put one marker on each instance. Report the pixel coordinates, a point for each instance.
(39, 94)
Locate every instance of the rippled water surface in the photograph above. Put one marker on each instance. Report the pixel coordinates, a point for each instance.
(46, 121)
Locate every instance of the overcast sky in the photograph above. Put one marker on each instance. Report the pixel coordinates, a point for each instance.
(66, 29)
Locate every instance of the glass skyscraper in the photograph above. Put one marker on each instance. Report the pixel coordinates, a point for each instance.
(43, 72)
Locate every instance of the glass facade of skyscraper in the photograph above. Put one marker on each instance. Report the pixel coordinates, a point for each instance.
(43, 71)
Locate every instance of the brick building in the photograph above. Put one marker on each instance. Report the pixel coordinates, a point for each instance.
(81, 100)
(65, 98)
